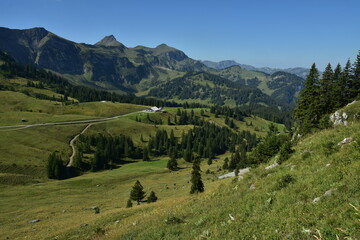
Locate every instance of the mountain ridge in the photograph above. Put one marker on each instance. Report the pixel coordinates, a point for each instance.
(110, 65)
(299, 71)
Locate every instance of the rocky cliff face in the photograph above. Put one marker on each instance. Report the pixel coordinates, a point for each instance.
(40, 47)
(108, 61)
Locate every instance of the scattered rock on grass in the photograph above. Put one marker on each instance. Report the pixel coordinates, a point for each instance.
(316, 199)
(252, 187)
(272, 166)
(96, 209)
(346, 141)
(328, 193)
(34, 221)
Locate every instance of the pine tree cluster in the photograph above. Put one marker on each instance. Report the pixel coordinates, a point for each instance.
(322, 96)
(107, 150)
(206, 141)
(137, 194)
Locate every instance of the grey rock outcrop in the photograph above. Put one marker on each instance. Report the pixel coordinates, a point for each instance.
(339, 118)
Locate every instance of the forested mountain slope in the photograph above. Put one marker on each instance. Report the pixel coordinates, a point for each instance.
(109, 65)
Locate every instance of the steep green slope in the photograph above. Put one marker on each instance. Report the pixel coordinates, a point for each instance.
(314, 194)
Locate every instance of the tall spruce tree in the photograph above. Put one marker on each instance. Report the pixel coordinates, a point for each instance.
(346, 77)
(137, 193)
(307, 111)
(326, 90)
(197, 186)
(54, 166)
(339, 90)
(355, 88)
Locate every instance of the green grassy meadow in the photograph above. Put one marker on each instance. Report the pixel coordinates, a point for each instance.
(264, 204)
(274, 208)
(63, 206)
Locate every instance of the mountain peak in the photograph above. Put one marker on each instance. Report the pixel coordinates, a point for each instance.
(109, 41)
(163, 45)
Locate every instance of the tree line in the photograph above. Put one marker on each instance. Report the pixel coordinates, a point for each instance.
(107, 150)
(62, 86)
(323, 95)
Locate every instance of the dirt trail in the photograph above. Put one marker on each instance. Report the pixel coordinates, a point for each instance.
(72, 144)
(72, 141)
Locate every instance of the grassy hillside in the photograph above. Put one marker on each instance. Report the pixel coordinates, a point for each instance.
(278, 203)
(313, 194)
(211, 89)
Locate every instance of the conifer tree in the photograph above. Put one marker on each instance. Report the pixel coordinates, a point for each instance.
(355, 88)
(234, 160)
(187, 155)
(197, 186)
(346, 77)
(285, 151)
(129, 203)
(226, 164)
(77, 162)
(137, 193)
(172, 164)
(146, 155)
(326, 90)
(243, 163)
(339, 90)
(169, 121)
(172, 138)
(54, 166)
(307, 111)
(152, 197)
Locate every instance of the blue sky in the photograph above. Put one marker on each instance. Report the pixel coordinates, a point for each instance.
(277, 33)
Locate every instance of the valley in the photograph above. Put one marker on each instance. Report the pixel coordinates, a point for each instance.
(105, 141)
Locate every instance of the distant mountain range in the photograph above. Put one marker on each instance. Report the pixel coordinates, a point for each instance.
(144, 71)
(301, 72)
